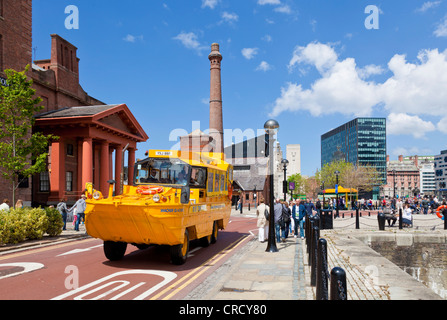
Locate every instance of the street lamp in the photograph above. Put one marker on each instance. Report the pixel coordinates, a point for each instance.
(285, 163)
(394, 183)
(271, 126)
(336, 193)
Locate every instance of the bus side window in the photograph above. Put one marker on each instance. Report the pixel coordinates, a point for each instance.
(222, 182)
(210, 181)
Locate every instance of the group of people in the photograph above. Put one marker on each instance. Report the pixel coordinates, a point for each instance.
(5, 205)
(390, 211)
(78, 210)
(288, 218)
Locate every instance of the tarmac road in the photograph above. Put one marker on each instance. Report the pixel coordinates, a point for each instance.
(79, 270)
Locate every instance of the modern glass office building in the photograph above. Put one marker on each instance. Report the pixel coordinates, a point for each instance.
(362, 140)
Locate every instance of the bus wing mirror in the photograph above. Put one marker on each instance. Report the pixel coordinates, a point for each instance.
(184, 196)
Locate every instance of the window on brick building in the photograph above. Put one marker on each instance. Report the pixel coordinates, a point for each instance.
(44, 179)
(69, 181)
(70, 150)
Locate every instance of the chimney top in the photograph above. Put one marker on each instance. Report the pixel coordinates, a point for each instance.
(215, 51)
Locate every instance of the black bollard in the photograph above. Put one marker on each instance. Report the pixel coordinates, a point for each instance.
(357, 221)
(338, 284)
(322, 271)
(249, 206)
(314, 249)
(308, 231)
(444, 213)
(400, 219)
(381, 219)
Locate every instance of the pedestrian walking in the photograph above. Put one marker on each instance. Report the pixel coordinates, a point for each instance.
(279, 225)
(63, 210)
(80, 207)
(263, 213)
(5, 205)
(287, 217)
(301, 216)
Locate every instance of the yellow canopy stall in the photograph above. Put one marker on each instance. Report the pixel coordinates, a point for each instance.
(347, 193)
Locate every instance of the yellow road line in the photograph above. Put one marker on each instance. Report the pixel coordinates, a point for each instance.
(198, 271)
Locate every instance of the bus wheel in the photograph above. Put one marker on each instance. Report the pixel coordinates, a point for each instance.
(205, 241)
(114, 251)
(214, 234)
(179, 252)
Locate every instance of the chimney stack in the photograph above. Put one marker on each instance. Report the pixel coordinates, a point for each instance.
(216, 118)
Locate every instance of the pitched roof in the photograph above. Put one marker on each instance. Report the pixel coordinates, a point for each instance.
(75, 111)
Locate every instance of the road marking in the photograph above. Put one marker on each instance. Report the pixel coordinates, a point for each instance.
(79, 250)
(27, 266)
(27, 251)
(79, 294)
(194, 274)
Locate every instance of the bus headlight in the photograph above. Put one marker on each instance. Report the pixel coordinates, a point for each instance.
(96, 195)
(156, 198)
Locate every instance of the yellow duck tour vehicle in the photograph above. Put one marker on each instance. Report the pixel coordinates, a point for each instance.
(176, 197)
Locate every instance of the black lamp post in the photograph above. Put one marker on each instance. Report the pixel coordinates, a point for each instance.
(336, 192)
(394, 183)
(270, 127)
(285, 163)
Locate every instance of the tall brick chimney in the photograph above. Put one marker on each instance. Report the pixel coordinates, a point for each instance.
(216, 119)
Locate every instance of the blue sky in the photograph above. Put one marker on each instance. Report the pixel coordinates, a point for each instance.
(311, 65)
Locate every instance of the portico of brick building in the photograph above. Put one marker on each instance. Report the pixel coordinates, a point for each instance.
(91, 148)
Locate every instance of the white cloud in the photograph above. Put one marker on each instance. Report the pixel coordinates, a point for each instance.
(441, 29)
(267, 38)
(283, 9)
(189, 40)
(132, 39)
(428, 5)
(264, 66)
(264, 2)
(249, 53)
(229, 17)
(209, 3)
(404, 124)
(370, 70)
(413, 88)
(320, 55)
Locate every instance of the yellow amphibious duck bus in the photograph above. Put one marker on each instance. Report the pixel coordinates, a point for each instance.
(176, 197)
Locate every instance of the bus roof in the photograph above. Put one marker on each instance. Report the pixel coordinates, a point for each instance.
(206, 159)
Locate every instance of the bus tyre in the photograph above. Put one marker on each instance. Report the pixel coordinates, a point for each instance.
(214, 234)
(114, 251)
(206, 241)
(179, 252)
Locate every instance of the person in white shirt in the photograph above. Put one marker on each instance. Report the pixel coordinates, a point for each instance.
(406, 216)
(263, 222)
(5, 205)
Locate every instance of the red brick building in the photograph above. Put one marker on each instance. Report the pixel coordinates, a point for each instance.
(92, 134)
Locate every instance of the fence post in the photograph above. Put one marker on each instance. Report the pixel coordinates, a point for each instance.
(381, 219)
(314, 249)
(357, 221)
(400, 219)
(338, 284)
(322, 271)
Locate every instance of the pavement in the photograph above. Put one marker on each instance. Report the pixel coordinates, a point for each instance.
(254, 274)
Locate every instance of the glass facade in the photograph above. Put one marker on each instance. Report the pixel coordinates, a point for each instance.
(362, 140)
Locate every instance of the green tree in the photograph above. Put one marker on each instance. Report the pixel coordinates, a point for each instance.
(22, 152)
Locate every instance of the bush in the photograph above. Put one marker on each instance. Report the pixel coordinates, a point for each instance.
(55, 222)
(17, 225)
(13, 227)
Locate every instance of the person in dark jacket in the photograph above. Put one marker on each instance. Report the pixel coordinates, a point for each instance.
(301, 216)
